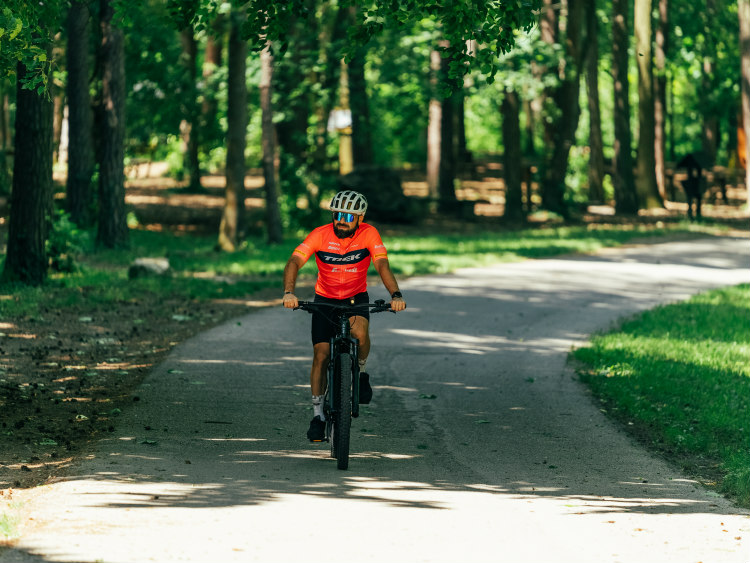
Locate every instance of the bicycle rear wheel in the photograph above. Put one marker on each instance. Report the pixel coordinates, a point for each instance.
(342, 420)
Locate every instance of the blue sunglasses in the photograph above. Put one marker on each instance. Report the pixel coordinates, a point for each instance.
(341, 216)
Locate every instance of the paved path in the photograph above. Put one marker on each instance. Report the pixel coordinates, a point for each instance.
(478, 446)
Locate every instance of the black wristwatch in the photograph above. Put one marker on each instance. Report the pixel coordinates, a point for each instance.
(396, 294)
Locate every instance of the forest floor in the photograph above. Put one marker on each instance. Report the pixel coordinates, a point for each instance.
(81, 364)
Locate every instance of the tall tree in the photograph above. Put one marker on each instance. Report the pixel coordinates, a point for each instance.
(709, 87)
(231, 230)
(212, 61)
(626, 199)
(596, 144)
(31, 197)
(112, 229)
(273, 212)
(346, 152)
(447, 169)
(447, 174)
(744, 17)
(511, 109)
(189, 126)
(5, 138)
(441, 137)
(561, 125)
(296, 84)
(434, 138)
(362, 149)
(79, 190)
(645, 183)
(660, 97)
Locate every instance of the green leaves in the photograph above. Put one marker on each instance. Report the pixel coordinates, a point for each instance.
(477, 31)
(10, 26)
(26, 29)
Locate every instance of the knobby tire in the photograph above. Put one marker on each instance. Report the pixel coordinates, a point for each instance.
(343, 417)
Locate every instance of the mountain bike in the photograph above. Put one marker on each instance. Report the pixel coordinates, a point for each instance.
(341, 402)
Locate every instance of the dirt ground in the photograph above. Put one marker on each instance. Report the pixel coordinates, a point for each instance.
(80, 366)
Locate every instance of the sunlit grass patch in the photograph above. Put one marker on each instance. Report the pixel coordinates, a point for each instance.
(679, 376)
(9, 523)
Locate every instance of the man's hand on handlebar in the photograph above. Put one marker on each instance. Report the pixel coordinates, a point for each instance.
(398, 304)
(290, 301)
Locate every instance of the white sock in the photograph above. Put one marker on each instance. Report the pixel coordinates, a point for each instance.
(317, 401)
(362, 364)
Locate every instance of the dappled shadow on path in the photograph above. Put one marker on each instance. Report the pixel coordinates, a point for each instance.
(394, 486)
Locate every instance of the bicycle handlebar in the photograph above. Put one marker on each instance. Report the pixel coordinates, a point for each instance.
(378, 307)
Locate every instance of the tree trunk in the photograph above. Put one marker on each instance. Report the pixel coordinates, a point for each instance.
(459, 124)
(346, 151)
(332, 87)
(645, 183)
(293, 86)
(626, 199)
(231, 230)
(511, 109)
(58, 118)
(31, 197)
(212, 56)
(660, 98)
(362, 147)
(79, 190)
(433, 128)
(529, 148)
(5, 143)
(560, 132)
(708, 88)
(5, 138)
(363, 153)
(447, 174)
(447, 169)
(273, 212)
(549, 24)
(113, 225)
(189, 129)
(744, 17)
(596, 157)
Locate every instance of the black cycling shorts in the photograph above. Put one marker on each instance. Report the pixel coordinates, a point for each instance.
(324, 322)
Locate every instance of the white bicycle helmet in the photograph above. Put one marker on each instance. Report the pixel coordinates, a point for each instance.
(349, 201)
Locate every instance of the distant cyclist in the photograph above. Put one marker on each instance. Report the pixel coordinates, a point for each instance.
(343, 251)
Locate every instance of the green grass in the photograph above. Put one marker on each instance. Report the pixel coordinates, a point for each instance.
(679, 376)
(9, 522)
(444, 253)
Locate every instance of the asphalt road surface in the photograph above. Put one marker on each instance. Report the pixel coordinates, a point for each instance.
(479, 444)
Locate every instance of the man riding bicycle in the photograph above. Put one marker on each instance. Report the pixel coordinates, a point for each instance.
(343, 251)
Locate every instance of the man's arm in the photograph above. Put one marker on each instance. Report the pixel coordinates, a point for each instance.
(290, 280)
(383, 268)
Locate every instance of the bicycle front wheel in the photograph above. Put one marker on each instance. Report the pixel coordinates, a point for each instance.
(342, 421)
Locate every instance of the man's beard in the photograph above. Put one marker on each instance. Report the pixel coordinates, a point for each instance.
(344, 233)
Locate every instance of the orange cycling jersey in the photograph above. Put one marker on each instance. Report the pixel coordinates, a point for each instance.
(342, 263)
